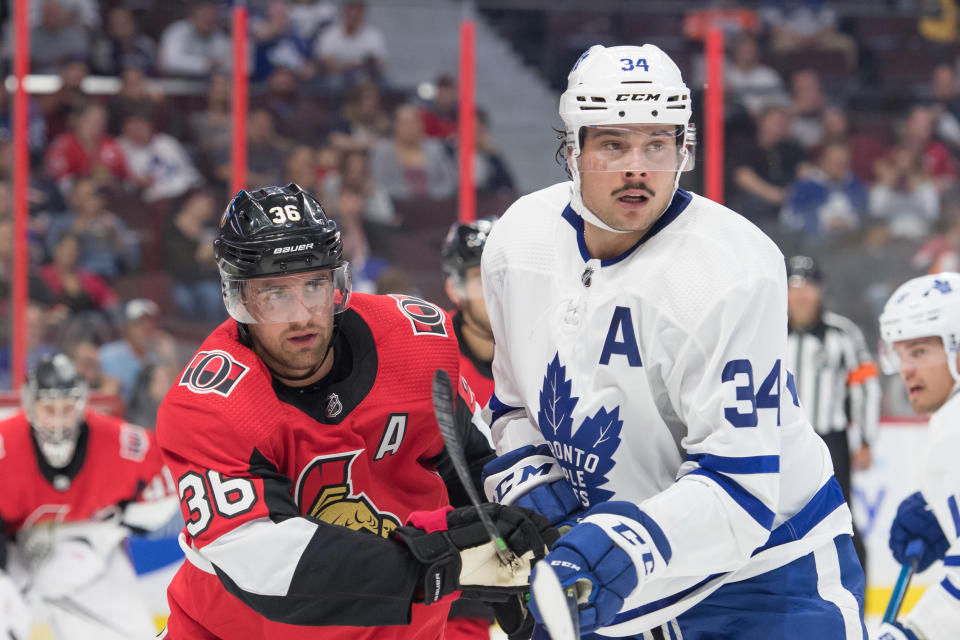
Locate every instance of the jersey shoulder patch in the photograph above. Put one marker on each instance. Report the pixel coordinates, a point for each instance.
(212, 371)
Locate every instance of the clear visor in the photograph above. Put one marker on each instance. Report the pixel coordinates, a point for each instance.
(905, 355)
(284, 299)
(56, 420)
(636, 148)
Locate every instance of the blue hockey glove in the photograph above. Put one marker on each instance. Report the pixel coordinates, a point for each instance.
(895, 631)
(607, 574)
(554, 501)
(914, 521)
(530, 477)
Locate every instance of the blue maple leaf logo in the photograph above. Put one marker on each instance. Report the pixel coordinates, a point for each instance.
(587, 453)
(942, 286)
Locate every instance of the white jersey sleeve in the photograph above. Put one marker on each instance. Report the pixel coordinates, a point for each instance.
(937, 614)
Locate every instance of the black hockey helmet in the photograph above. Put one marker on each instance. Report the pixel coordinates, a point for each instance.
(463, 246)
(56, 425)
(276, 231)
(803, 269)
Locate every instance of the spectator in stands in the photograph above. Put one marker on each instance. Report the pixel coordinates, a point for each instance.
(750, 84)
(301, 168)
(107, 247)
(43, 196)
(153, 382)
(802, 25)
(87, 150)
(266, 152)
(917, 135)
(490, 172)
(71, 286)
(904, 195)
(143, 343)
(764, 167)
(157, 160)
(942, 251)
(122, 46)
(85, 355)
(440, 112)
(62, 105)
(277, 43)
(808, 103)
(210, 128)
(363, 119)
(351, 50)
(311, 17)
(829, 199)
(188, 248)
(36, 127)
(86, 13)
(354, 175)
(946, 104)
(195, 46)
(865, 148)
(408, 165)
(56, 39)
(136, 96)
(297, 116)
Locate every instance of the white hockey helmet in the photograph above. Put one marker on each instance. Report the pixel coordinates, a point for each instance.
(622, 86)
(923, 307)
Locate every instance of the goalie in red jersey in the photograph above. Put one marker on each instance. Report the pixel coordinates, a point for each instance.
(75, 483)
(312, 476)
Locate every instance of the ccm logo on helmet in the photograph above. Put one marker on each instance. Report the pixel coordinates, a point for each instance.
(212, 372)
(293, 248)
(638, 97)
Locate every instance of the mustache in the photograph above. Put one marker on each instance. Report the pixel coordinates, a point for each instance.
(634, 187)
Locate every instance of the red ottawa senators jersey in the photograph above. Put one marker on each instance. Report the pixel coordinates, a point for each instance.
(289, 494)
(114, 463)
(478, 374)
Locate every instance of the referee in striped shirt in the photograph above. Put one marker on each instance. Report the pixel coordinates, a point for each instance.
(835, 373)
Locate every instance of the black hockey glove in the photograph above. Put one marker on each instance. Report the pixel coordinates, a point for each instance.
(457, 552)
(514, 617)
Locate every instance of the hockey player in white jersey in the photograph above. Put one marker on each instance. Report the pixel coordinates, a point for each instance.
(920, 327)
(641, 394)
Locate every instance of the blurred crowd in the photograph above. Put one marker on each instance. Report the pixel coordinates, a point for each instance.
(128, 182)
(842, 136)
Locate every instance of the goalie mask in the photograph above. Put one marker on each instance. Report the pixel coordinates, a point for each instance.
(928, 306)
(634, 98)
(54, 399)
(280, 257)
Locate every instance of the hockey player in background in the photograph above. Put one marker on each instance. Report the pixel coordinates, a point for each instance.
(836, 376)
(920, 331)
(641, 394)
(461, 253)
(302, 438)
(75, 483)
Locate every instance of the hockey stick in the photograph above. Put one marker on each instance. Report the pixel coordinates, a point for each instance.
(557, 605)
(443, 409)
(72, 606)
(912, 557)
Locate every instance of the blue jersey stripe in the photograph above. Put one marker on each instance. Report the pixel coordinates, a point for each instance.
(952, 503)
(656, 605)
(951, 561)
(679, 202)
(741, 465)
(824, 502)
(750, 503)
(499, 409)
(949, 588)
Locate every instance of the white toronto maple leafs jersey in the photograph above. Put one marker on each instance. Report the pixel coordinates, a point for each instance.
(937, 614)
(658, 378)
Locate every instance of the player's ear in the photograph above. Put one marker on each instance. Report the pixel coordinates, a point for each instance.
(454, 291)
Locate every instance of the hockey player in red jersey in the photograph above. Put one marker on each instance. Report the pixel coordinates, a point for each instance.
(461, 270)
(302, 438)
(75, 482)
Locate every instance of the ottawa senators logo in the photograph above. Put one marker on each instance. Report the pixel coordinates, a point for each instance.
(325, 491)
(212, 372)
